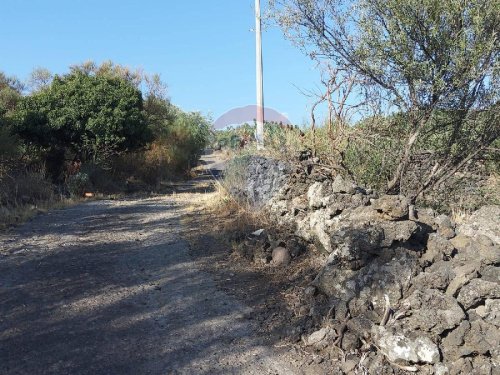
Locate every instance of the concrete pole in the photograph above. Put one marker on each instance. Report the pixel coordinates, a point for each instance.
(259, 72)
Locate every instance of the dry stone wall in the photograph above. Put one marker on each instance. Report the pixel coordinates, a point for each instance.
(404, 286)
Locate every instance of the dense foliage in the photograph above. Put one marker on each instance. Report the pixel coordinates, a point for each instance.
(434, 62)
(103, 128)
(92, 116)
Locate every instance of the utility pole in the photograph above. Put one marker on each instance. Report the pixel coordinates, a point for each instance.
(260, 85)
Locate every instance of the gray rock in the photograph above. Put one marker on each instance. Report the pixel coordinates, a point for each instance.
(484, 221)
(281, 256)
(355, 243)
(446, 232)
(349, 365)
(432, 311)
(350, 341)
(315, 228)
(401, 347)
(398, 231)
(360, 325)
(491, 273)
(437, 276)
(482, 365)
(317, 194)
(490, 311)
(392, 207)
(262, 179)
(452, 344)
(444, 221)
(482, 338)
(427, 216)
(319, 338)
(476, 249)
(438, 248)
(462, 366)
(476, 291)
(440, 369)
(461, 242)
(310, 291)
(390, 273)
(340, 185)
(464, 274)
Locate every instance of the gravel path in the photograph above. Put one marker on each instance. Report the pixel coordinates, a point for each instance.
(109, 287)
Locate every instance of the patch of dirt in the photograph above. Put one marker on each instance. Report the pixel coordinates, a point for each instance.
(275, 294)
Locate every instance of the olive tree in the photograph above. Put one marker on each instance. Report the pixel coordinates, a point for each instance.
(435, 62)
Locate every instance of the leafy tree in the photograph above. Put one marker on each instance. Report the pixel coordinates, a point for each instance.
(92, 115)
(40, 78)
(188, 136)
(434, 62)
(10, 95)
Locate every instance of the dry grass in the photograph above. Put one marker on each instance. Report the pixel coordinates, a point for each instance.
(19, 214)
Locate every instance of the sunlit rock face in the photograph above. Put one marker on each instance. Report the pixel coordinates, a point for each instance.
(424, 289)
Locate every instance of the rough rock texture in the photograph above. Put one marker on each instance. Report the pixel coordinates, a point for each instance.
(484, 221)
(422, 290)
(263, 179)
(408, 347)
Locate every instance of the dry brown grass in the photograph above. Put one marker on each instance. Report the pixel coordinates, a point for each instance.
(19, 214)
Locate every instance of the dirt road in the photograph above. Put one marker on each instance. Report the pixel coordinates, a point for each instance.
(109, 287)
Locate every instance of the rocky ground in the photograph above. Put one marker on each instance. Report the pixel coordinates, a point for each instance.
(398, 289)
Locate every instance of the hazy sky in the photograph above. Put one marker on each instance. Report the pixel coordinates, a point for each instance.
(203, 49)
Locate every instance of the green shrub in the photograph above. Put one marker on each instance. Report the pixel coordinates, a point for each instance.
(235, 173)
(78, 184)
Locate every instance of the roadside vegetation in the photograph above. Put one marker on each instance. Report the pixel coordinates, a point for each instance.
(411, 90)
(102, 129)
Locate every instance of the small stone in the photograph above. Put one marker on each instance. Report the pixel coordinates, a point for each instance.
(340, 185)
(350, 341)
(281, 256)
(318, 336)
(257, 233)
(348, 366)
(440, 369)
(398, 347)
(392, 207)
(310, 291)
